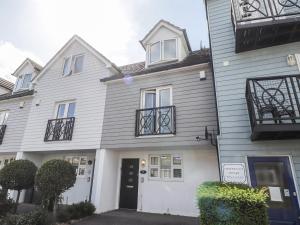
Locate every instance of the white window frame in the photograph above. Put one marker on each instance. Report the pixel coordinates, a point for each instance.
(157, 90)
(67, 104)
(84, 167)
(5, 118)
(162, 53)
(21, 80)
(172, 178)
(71, 68)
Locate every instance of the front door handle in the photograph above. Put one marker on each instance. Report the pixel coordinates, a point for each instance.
(129, 186)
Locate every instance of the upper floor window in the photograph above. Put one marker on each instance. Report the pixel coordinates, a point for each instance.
(73, 64)
(65, 110)
(163, 50)
(157, 97)
(23, 82)
(157, 115)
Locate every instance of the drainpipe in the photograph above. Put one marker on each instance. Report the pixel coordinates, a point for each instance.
(92, 181)
(214, 86)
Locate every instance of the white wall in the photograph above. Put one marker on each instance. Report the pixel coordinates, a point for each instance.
(81, 189)
(174, 197)
(16, 123)
(85, 88)
(3, 91)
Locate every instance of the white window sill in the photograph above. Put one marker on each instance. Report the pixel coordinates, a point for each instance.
(155, 136)
(166, 180)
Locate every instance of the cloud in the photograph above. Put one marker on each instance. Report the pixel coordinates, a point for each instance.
(11, 57)
(109, 26)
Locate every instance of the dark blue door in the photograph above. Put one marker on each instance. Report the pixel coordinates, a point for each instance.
(275, 173)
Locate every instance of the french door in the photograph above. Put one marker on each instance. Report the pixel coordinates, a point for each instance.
(157, 114)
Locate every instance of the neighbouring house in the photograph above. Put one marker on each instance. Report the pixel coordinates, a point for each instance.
(15, 103)
(149, 159)
(255, 48)
(130, 131)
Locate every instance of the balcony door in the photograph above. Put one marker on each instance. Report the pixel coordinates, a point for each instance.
(275, 174)
(156, 117)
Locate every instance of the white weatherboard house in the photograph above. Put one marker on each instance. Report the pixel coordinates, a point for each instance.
(129, 131)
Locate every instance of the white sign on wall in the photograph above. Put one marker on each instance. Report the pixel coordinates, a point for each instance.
(234, 173)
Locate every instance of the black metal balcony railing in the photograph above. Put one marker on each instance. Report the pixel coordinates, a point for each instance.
(264, 23)
(274, 107)
(2, 132)
(155, 121)
(59, 129)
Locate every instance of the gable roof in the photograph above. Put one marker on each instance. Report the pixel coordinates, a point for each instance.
(137, 69)
(169, 26)
(101, 57)
(35, 66)
(6, 84)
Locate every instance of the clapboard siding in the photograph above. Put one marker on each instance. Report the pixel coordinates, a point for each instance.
(230, 82)
(87, 91)
(195, 109)
(16, 123)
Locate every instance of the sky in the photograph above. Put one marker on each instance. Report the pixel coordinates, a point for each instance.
(39, 28)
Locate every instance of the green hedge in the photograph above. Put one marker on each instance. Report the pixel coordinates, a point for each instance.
(37, 217)
(75, 211)
(232, 204)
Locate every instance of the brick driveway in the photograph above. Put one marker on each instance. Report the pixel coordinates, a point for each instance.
(127, 217)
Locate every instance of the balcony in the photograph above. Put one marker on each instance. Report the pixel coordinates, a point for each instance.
(264, 23)
(59, 129)
(2, 132)
(155, 121)
(273, 106)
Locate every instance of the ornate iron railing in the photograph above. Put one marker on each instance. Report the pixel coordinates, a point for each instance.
(264, 10)
(273, 100)
(155, 121)
(59, 129)
(2, 132)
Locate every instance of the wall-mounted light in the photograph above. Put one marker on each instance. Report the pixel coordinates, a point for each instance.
(38, 102)
(202, 75)
(22, 105)
(143, 163)
(291, 60)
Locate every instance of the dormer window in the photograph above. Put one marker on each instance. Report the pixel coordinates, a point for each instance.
(73, 64)
(163, 51)
(23, 82)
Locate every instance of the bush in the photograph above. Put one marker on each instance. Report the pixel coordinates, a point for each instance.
(18, 175)
(37, 217)
(232, 204)
(63, 215)
(52, 179)
(75, 211)
(6, 205)
(81, 210)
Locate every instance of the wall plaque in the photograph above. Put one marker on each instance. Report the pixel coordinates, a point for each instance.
(234, 173)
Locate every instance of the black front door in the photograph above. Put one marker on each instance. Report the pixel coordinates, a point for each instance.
(129, 183)
(275, 174)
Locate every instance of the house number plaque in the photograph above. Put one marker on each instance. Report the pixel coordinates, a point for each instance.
(234, 173)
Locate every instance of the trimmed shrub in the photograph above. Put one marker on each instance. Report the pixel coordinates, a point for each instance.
(52, 179)
(80, 210)
(75, 211)
(63, 216)
(37, 217)
(6, 205)
(18, 175)
(232, 204)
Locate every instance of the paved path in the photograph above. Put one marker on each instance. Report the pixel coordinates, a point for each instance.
(127, 217)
